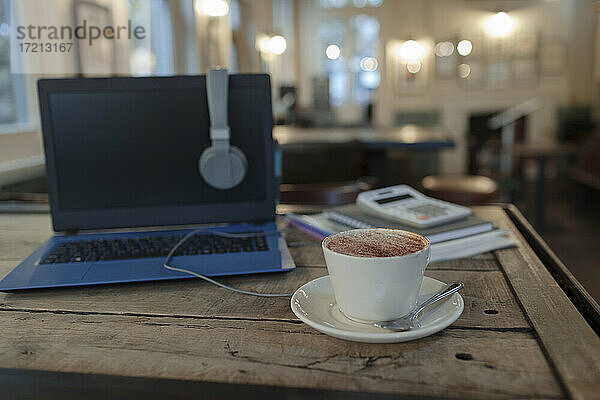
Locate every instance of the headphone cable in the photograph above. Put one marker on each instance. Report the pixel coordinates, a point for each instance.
(206, 278)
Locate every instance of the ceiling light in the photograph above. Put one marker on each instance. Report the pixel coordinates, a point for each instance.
(275, 44)
(278, 44)
(413, 67)
(212, 8)
(333, 52)
(262, 43)
(499, 25)
(464, 47)
(444, 49)
(411, 51)
(464, 70)
(368, 64)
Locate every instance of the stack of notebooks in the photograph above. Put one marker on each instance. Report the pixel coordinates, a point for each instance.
(459, 239)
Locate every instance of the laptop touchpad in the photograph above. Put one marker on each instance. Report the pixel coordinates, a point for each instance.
(126, 270)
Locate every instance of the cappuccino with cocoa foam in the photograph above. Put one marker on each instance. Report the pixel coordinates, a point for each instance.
(376, 243)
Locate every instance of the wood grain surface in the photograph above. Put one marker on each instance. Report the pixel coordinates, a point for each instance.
(278, 353)
(518, 337)
(571, 344)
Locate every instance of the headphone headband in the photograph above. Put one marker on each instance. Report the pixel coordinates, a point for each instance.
(217, 89)
(219, 134)
(222, 166)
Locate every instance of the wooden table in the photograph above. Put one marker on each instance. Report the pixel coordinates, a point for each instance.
(408, 136)
(519, 336)
(375, 141)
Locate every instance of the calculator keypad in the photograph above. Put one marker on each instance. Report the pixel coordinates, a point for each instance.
(427, 211)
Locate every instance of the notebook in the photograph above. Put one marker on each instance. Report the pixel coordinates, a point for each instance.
(351, 217)
(462, 238)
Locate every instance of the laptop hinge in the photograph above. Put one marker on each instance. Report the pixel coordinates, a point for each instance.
(262, 221)
(71, 232)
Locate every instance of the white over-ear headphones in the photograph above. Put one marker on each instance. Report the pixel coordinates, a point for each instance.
(221, 165)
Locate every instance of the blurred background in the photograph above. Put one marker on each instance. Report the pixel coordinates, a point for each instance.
(473, 101)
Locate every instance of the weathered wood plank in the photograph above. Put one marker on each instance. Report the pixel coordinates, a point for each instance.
(466, 264)
(569, 341)
(25, 222)
(306, 255)
(489, 302)
(454, 363)
(573, 348)
(20, 234)
(293, 235)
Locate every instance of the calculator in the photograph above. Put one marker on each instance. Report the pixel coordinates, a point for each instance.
(404, 204)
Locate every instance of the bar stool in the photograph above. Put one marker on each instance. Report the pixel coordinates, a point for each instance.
(462, 189)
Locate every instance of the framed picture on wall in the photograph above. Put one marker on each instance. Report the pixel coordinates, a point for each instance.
(553, 56)
(99, 57)
(411, 77)
(499, 48)
(470, 73)
(445, 59)
(498, 74)
(524, 72)
(526, 45)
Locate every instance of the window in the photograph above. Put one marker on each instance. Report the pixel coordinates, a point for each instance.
(349, 3)
(331, 34)
(350, 58)
(13, 108)
(365, 61)
(155, 57)
(162, 38)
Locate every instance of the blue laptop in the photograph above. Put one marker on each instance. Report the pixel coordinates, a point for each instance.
(135, 164)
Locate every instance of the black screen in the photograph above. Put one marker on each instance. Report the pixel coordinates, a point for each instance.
(140, 148)
(394, 198)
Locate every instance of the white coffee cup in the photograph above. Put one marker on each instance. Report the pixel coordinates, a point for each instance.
(369, 289)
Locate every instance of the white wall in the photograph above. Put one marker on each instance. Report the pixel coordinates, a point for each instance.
(572, 20)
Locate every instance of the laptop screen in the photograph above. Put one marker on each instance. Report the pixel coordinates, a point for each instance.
(136, 145)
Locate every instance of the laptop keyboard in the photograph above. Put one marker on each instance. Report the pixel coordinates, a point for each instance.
(152, 246)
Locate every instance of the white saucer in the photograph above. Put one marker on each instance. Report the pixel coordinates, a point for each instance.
(315, 305)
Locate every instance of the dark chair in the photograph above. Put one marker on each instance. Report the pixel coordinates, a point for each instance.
(575, 123)
(322, 162)
(462, 189)
(324, 193)
(323, 173)
(587, 168)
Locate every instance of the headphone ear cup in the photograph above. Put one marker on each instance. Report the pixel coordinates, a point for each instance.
(223, 170)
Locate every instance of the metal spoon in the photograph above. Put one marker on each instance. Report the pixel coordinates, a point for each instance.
(408, 321)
